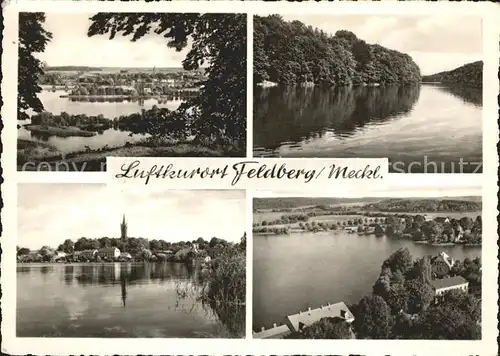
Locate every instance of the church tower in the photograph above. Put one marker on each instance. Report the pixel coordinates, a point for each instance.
(123, 229)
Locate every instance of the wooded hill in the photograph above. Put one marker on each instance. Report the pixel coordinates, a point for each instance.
(291, 53)
(424, 205)
(470, 74)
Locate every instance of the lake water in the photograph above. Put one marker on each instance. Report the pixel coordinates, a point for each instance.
(111, 137)
(425, 123)
(297, 271)
(54, 104)
(116, 300)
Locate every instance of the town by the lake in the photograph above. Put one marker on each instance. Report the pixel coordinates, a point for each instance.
(367, 268)
(75, 110)
(116, 284)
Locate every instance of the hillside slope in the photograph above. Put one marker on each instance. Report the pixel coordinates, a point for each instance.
(470, 74)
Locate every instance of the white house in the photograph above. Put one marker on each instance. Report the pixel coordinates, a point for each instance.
(59, 255)
(297, 322)
(125, 256)
(109, 252)
(446, 284)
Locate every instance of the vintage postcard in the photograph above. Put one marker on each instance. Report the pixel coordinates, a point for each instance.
(249, 178)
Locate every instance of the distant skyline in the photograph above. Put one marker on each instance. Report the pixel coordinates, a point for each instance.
(70, 46)
(48, 214)
(436, 43)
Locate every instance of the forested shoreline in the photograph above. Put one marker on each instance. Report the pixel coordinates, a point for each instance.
(459, 204)
(470, 74)
(293, 53)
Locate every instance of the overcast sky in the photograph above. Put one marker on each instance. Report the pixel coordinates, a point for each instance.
(70, 45)
(50, 213)
(436, 43)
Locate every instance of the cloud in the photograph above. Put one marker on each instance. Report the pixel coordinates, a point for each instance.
(50, 213)
(99, 50)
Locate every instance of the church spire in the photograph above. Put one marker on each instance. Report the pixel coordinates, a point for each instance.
(123, 229)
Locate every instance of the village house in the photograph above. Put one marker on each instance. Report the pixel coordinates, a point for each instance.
(59, 255)
(442, 220)
(446, 284)
(125, 256)
(85, 254)
(297, 322)
(351, 229)
(442, 264)
(109, 253)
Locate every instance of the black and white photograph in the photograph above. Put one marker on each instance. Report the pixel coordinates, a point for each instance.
(367, 268)
(94, 263)
(129, 85)
(403, 87)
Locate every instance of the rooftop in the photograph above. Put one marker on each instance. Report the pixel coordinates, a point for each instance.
(448, 282)
(276, 332)
(313, 315)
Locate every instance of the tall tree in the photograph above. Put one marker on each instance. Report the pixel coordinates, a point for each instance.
(327, 328)
(373, 318)
(219, 111)
(32, 39)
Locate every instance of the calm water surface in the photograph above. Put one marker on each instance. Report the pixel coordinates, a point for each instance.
(404, 123)
(54, 104)
(117, 300)
(297, 271)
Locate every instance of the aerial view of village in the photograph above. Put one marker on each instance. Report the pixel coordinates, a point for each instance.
(145, 94)
(164, 264)
(367, 268)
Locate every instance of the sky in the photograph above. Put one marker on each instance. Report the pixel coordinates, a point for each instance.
(70, 46)
(436, 43)
(50, 213)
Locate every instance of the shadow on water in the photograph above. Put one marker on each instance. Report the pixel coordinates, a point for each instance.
(111, 274)
(187, 281)
(292, 114)
(467, 95)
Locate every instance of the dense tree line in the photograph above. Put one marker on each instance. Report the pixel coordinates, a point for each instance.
(470, 74)
(277, 204)
(154, 119)
(291, 53)
(405, 307)
(137, 247)
(424, 205)
(439, 230)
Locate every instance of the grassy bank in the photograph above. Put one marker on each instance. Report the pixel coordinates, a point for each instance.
(32, 156)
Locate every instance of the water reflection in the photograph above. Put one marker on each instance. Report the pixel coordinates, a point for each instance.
(295, 114)
(467, 95)
(120, 300)
(420, 129)
(340, 267)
